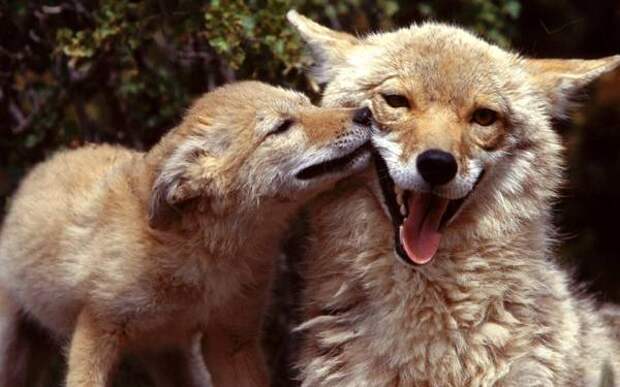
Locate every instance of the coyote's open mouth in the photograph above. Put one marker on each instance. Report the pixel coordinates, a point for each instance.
(336, 165)
(418, 218)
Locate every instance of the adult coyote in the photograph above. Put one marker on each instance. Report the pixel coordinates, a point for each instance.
(435, 269)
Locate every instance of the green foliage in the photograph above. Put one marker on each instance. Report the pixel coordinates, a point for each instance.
(238, 30)
(495, 20)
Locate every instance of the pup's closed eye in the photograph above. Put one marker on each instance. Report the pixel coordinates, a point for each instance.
(282, 126)
(396, 100)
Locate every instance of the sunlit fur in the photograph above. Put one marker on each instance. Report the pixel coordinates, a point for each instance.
(492, 308)
(119, 251)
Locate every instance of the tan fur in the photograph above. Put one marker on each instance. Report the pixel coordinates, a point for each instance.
(121, 251)
(491, 308)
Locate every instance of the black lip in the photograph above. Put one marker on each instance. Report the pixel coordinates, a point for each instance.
(387, 188)
(331, 166)
(389, 197)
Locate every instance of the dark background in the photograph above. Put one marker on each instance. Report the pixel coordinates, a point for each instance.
(78, 71)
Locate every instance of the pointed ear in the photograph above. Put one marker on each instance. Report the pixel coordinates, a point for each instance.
(329, 48)
(560, 79)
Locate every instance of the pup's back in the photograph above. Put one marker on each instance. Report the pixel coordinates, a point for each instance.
(52, 200)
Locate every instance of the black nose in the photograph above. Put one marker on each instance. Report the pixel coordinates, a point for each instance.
(362, 116)
(437, 167)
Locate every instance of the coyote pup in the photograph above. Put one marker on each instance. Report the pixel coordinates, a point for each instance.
(437, 271)
(122, 251)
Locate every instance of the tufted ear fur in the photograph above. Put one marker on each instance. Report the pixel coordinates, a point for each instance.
(168, 200)
(329, 48)
(560, 79)
(181, 180)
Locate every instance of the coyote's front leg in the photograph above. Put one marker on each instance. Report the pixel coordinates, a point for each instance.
(95, 349)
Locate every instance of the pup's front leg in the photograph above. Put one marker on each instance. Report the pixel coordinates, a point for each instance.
(234, 360)
(95, 349)
(12, 353)
(179, 366)
(232, 343)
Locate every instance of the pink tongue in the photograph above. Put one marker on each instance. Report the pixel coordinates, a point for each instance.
(420, 234)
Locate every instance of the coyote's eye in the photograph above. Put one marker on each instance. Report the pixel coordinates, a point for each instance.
(484, 117)
(396, 100)
(282, 126)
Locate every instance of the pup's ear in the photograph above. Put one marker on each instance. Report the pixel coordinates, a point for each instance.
(180, 180)
(329, 48)
(167, 199)
(560, 79)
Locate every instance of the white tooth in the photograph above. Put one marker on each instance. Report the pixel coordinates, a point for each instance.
(398, 190)
(403, 210)
(399, 195)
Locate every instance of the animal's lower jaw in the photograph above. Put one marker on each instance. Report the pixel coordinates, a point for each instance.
(419, 219)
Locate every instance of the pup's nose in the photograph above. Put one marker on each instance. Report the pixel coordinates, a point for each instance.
(363, 116)
(437, 167)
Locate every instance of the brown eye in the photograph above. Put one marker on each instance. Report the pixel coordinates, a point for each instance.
(484, 117)
(282, 126)
(396, 100)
